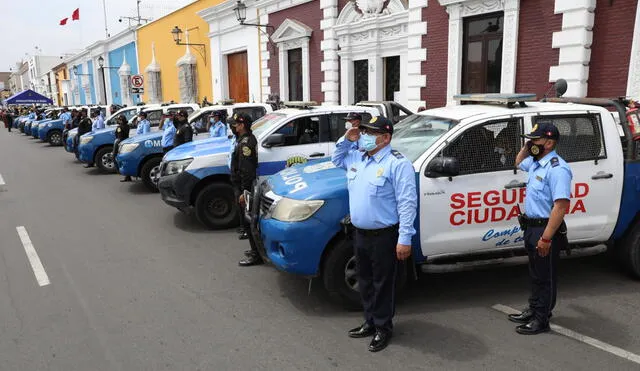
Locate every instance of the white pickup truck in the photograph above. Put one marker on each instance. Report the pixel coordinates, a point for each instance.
(469, 191)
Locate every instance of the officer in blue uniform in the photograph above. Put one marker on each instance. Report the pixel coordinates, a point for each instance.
(217, 128)
(352, 120)
(383, 205)
(545, 233)
(144, 126)
(168, 133)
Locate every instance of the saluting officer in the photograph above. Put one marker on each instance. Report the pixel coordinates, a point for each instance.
(383, 205)
(545, 235)
(217, 128)
(244, 166)
(184, 132)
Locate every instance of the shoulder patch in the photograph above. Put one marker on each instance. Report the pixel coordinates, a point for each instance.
(246, 151)
(397, 154)
(555, 162)
(245, 140)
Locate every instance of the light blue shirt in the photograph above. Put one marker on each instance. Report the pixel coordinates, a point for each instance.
(168, 132)
(144, 127)
(218, 129)
(98, 123)
(231, 149)
(65, 117)
(549, 180)
(32, 116)
(382, 189)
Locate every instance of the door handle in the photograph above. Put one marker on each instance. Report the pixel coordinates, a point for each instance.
(316, 154)
(515, 184)
(602, 175)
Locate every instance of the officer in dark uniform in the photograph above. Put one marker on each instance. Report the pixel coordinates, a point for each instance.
(545, 233)
(184, 132)
(84, 127)
(244, 166)
(383, 206)
(122, 133)
(8, 119)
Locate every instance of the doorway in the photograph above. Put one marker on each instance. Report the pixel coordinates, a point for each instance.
(391, 77)
(482, 53)
(238, 73)
(361, 80)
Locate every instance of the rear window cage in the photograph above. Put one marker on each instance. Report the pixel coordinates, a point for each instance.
(571, 127)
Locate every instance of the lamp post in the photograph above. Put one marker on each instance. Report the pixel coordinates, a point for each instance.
(241, 15)
(176, 32)
(104, 83)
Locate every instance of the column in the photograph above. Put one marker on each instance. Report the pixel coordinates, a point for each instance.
(124, 73)
(416, 55)
(330, 65)
(633, 83)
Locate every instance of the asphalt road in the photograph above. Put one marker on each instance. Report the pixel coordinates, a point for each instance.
(137, 285)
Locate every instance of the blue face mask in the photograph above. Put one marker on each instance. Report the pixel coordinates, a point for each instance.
(211, 120)
(367, 142)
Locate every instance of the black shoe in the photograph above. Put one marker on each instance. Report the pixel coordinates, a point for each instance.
(380, 341)
(524, 317)
(249, 253)
(532, 328)
(363, 331)
(250, 260)
(243, 236)
(88, 166)
(240, 230)
(126, 179)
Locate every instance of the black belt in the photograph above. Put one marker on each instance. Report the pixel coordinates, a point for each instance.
(536, 222)
(377, 232)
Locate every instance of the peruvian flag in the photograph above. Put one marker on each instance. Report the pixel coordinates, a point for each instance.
(76, 15)
(63, 22)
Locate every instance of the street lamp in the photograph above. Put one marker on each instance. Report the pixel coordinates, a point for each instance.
(241, 16)
(104, 83)
(176, 32)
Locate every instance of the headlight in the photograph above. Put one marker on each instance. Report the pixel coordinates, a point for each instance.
(176, 167)
(128, 147)
(86, 139)
(289, 210)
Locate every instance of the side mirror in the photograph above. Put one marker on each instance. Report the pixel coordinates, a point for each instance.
(442, 167)
(273, 140)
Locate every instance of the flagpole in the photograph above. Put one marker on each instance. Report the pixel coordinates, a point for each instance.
(104, 8)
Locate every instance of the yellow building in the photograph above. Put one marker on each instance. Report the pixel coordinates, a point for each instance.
(167, 53)
(60, 72)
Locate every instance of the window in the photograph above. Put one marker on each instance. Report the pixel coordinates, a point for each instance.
(154, 117)
(253, 112)
(486, 148)
(391, 77)
(295, 74)
(361, 80)
(305, 130)
(482, 53)
(580, 136)
(337, 124)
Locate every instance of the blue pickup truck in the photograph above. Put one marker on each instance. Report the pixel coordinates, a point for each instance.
(68, 135)
(140, 156)
(468, 194)
(196, 175)
(51, 132)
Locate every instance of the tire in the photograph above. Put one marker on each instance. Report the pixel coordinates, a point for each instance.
(339, 275)
(55, 138)
(215, 206)
(149, 173)
(630, 251)
(104, 160)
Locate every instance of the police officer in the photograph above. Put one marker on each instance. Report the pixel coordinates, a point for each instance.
(8, 119)
(84, 127)
(352, 120)
(144, 126)
(244, 165)
(217, 129)
(383, 205)
(184, 132)
(168, 132)
(545, 235)
(98, 121)
(122, 133)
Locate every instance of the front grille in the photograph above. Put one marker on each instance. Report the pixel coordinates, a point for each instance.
(265, 204)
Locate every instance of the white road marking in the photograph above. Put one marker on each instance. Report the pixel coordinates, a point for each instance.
(2, 184)
(32, 255)
(579, 337)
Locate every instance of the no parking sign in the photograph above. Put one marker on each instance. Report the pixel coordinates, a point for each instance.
(136, 83)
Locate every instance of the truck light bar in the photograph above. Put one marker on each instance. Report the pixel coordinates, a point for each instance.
(300, 104)
(508, 99)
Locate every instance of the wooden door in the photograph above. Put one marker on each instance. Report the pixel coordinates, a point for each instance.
(238, 77)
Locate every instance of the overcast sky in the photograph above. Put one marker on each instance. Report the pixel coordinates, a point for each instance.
(25, 24)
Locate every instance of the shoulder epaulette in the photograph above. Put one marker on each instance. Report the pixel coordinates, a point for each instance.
(397, 154)
(555, 162)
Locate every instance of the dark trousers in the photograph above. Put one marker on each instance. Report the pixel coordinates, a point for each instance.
(377, 264)
(543, 271)
(116, 144)
(166, 149)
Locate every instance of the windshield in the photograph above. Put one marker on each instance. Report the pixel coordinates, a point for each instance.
(415, 134)
(264, 123)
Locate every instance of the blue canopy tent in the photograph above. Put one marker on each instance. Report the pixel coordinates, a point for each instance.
(28, 97)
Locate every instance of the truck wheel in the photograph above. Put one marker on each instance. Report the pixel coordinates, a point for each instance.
(631, 251)
(339, 274)
(150, 173)
(55, 138)
(104, 160)
(216, 207)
